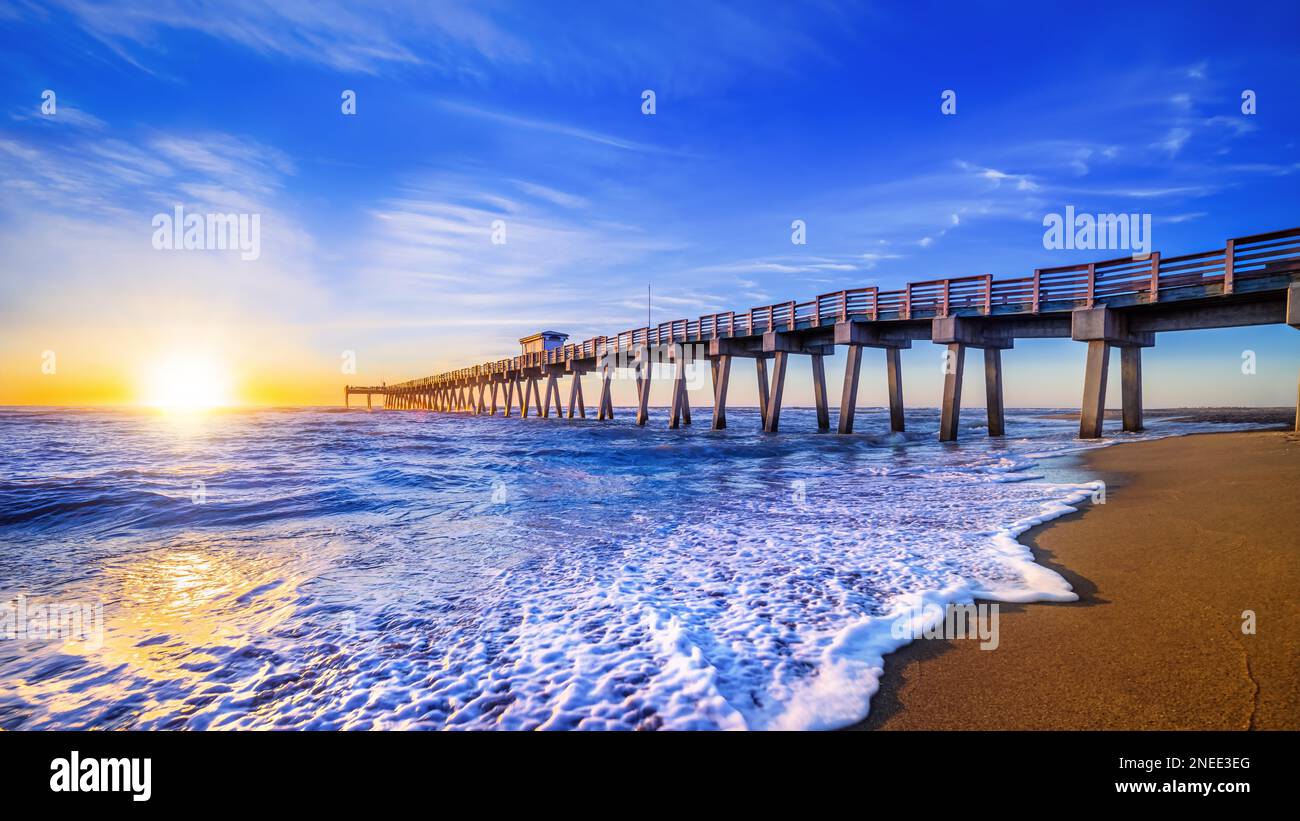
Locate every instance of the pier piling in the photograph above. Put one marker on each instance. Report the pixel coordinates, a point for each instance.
(1094, 390)
(894, 377)
(721, 367)
(772, 420)
(643, 372)
(819, 392)
(849, 395)
(1130, 362)
(950, 413)
(993, 391)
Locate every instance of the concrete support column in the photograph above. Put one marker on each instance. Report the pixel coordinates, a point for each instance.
(679, 391)
(368, 404)
(819, 392)
(721, 376)
(495, 387)
(894, 374)
(552, 397)
(606, 399)
(993, 391)
(1093, 411)
(773, 418)
(849, 396)
(1130, 371)
(950, 413)
(681, 402)
(643, 373)
(760, 365)
(1293, 319)
(575, 396)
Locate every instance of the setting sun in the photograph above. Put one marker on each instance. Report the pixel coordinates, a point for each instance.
(188, 382)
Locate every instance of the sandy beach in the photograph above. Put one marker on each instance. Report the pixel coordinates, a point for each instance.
(1195, 530)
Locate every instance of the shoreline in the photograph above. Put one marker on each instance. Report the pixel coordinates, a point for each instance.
(1196, 530)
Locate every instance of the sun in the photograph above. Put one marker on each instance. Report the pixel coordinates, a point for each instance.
(187, 381)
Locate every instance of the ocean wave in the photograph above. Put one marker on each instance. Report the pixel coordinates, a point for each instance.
(333, 569)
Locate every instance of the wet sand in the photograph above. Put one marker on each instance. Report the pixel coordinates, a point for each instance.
(1195, 530)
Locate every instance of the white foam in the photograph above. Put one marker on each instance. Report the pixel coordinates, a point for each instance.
(632, 579)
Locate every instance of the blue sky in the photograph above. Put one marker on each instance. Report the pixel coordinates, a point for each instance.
(376, 226)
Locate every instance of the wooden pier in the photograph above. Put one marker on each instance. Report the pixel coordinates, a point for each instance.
(1122, 303)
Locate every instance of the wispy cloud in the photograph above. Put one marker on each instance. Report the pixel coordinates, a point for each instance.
(1174, 140)
(329, 32)
(64, 115)
(119, 176)
(551, 127)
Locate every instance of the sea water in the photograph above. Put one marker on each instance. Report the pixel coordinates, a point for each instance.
(333, 569)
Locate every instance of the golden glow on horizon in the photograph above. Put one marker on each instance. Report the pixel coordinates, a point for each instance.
(187, 381)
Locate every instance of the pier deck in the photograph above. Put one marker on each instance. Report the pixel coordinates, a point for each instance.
(1123, 302)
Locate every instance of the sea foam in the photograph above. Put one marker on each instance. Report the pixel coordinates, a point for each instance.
(408, 570)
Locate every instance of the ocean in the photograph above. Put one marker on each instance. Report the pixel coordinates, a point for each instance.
(342, 569)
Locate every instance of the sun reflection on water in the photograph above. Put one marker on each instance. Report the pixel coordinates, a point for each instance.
(177, 624)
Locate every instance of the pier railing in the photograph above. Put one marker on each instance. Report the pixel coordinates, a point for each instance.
(1242, 264)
